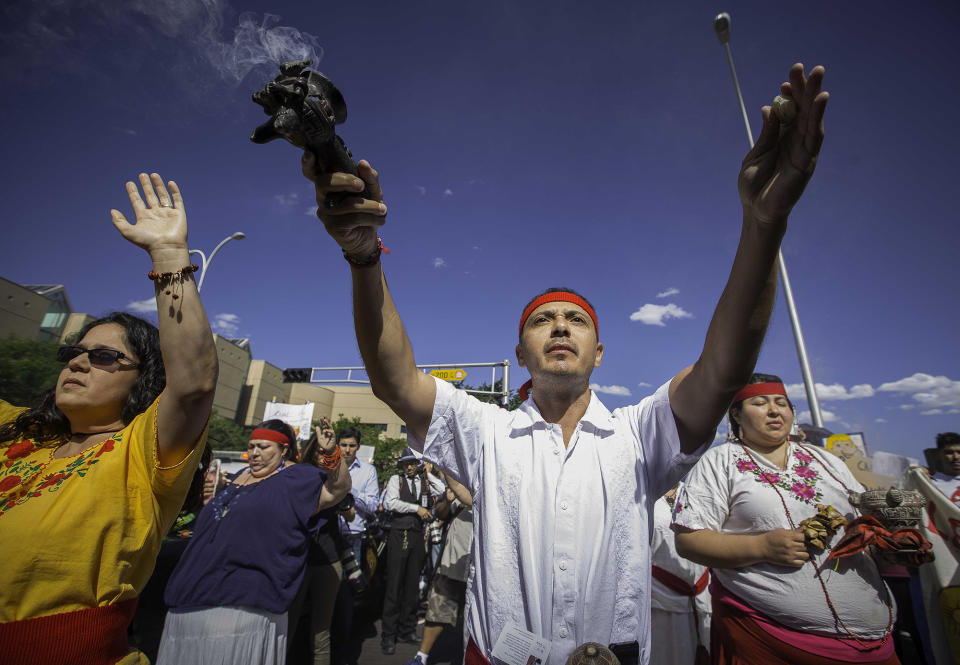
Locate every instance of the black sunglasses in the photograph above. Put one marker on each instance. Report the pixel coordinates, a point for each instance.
(98, 357)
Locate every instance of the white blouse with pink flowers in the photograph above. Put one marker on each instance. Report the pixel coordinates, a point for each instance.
(728, 491)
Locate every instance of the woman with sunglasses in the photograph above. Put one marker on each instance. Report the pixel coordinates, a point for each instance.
(92, 477)
(235, 582)
(776, 598)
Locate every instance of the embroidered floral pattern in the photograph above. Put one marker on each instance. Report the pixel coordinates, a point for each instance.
(22, 477)
(800, 481)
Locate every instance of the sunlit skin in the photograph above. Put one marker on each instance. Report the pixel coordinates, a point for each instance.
(92, 397)
(348, 450)
(559, 348)
(264, 457)
(765, 422)
(950, 459)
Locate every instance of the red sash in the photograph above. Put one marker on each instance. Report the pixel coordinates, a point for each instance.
(474, 656)
(677, 585)
(94, 636)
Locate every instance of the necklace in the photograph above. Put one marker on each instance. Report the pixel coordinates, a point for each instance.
(816, 568)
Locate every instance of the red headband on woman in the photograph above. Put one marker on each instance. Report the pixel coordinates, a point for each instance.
(755, 389)
(559, 296)
(270, 435)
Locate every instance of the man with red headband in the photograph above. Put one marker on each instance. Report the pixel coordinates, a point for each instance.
(562, 487)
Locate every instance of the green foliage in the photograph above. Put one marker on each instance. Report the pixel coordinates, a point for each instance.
(386, 449)
(513, 402)
(385, 457)
(28, 368)
(225, 434)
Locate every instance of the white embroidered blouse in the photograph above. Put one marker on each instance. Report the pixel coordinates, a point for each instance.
(730, 492)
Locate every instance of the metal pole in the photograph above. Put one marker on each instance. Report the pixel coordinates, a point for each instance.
(206, 261)
(721, 25)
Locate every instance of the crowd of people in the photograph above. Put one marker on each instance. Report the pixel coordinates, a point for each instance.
(558, 523)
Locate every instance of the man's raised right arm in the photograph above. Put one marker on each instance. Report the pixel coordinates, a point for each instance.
(384, 345)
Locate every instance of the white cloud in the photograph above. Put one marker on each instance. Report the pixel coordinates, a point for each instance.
(130, 132)
(422, 190)
(287, 200)
(954, 411)
(906, 407)
(880, 420)
(654, 315)
(610, 390)
(226, 324)
(143, 306)
(832, 393)
(439, 262)
(929, 391)
(448, 192)
(828, 416)
(311, 211)
(672, 291)
(644, 384)
(931, 412)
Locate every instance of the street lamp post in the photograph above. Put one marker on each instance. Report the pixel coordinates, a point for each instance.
(721, 26)
(205, 261)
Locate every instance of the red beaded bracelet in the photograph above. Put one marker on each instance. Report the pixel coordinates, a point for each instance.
(330, 460)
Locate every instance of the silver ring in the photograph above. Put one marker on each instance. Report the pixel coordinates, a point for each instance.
(166, 205)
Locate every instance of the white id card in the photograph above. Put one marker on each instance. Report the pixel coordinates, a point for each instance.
(517, 646)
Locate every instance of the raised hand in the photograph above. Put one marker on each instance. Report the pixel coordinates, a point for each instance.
(776, 171)
(353, 223)
(326, 436)
(161, 220)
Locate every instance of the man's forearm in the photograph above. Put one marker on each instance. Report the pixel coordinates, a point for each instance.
(386, 351)
(704, 391)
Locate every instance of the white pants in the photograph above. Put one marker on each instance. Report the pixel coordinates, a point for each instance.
(674, 636)
(224, 636)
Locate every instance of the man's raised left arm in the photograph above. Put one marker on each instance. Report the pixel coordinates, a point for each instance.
(772, 178)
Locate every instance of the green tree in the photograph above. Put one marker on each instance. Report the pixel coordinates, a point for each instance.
(28, 368)
(512, 402)
(225, 434)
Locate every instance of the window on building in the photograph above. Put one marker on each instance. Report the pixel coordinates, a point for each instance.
(403, 429)
(380, 426)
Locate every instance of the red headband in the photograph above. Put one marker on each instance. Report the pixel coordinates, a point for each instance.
(270, 435)
(559, 296)
(755, 389)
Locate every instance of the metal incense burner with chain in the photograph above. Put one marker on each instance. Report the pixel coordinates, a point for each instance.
(304, 108)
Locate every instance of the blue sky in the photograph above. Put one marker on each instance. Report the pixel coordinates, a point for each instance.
(521, 145)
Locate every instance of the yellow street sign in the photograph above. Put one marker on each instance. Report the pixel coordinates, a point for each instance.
(449, 374)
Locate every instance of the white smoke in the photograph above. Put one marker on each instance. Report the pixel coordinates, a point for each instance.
(186, 32)
(256, 44)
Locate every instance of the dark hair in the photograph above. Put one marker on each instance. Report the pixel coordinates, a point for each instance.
(310, 450)
(277, 425)
(558, 289)
(46, 422)
(194, 501)
(737, 406)
(945, 439)
(349, 433)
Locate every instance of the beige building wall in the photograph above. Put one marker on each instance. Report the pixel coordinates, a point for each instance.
(354, 401)
(321, 396)
(21, 311)
(75, 323)
(264, 384)
(234, 362)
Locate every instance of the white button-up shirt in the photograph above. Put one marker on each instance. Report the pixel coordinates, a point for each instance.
(561, 535)
(366, 494)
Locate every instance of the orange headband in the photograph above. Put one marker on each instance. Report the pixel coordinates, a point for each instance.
(270, 435)
(755, 389)
(559, 296)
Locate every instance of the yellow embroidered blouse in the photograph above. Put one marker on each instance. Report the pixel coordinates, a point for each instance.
(84, 531)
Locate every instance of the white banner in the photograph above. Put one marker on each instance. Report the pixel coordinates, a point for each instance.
(298, 416)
